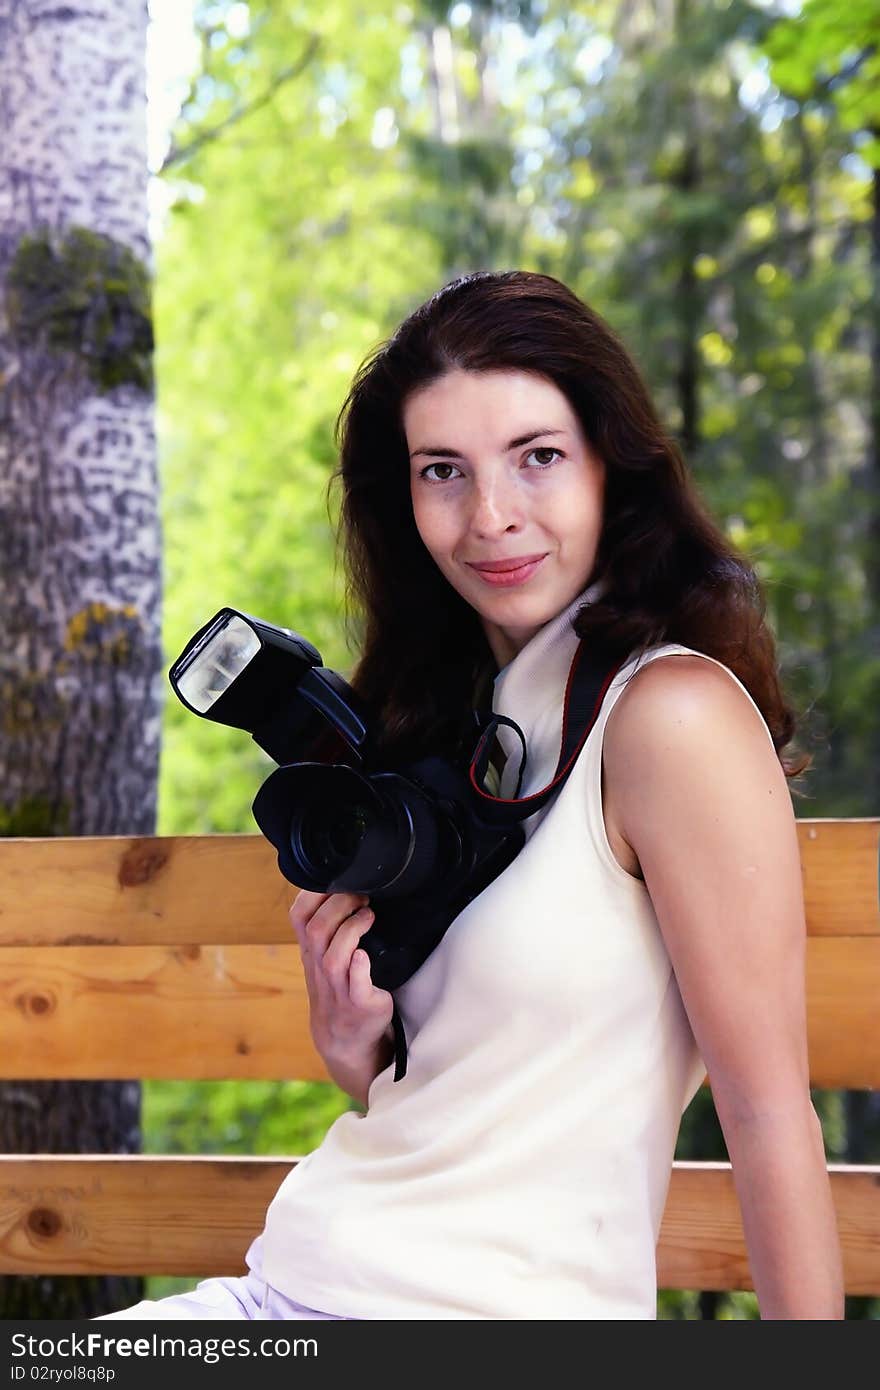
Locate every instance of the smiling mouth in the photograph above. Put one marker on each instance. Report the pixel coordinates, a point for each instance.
(507, 572)
(515, 562)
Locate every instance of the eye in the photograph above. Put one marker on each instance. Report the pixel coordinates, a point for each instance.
(425, 471)
(546, 463)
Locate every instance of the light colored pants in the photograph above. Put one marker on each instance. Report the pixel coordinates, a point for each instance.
(238, 1296)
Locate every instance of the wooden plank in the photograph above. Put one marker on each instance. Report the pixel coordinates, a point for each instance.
(840, 861)
(843, 1012)
(162, 890)
(210, 1012)
(701, 1237)
(215, 1012)
(132, 1215)
(196, 1216)
(228, 888)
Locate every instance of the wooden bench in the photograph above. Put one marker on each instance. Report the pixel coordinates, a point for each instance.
(174, 958)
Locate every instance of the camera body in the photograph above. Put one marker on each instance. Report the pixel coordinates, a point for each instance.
(418, 840)
(412, 840)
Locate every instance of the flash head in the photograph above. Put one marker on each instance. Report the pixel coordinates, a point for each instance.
(210, 668)
(246, 673)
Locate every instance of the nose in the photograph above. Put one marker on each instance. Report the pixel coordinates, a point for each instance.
(496, 507)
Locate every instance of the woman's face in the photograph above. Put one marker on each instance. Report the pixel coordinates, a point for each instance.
(500, 471)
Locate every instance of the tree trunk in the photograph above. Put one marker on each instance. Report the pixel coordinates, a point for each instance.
(80, 582)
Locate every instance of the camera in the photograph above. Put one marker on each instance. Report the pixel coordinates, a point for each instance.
(423, 840)
(417, 840)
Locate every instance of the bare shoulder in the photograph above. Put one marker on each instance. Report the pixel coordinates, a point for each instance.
(681, 692)
(680, 716)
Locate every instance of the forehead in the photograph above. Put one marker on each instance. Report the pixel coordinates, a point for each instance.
(486, 403)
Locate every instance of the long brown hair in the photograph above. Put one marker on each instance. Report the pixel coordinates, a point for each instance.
(670, 574)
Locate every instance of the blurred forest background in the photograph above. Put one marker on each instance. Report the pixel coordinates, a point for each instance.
(704, 173)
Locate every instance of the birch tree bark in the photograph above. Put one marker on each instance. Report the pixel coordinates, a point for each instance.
(80, 582)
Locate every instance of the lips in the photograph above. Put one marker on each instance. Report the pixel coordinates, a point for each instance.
(518, 562)
(506, 574)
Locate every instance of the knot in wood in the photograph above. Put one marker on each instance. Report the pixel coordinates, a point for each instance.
(44, 1222)
(142, 861)
(36, 1003)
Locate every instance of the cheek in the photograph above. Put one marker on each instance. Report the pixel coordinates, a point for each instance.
(433, 522)
(418, 512)
(576, 521)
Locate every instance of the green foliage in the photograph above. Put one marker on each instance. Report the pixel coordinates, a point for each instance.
(829, 49)
(683, 1305)
(89, 295)
(239, 1117)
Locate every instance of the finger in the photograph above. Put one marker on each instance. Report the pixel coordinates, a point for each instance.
(363, 993)
(307, 902)
(337, 957)
(327, 918)
(302, 908)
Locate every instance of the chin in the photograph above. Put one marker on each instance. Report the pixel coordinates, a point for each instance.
(521, 616)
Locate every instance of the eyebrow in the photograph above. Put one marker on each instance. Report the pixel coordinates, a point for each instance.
(435, 451)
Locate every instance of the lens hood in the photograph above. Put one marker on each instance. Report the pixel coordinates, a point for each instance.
(340, 830)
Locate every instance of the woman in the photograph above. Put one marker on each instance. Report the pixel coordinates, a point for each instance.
(508, 491)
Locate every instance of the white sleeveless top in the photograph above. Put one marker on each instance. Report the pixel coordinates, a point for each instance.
(520, 1168)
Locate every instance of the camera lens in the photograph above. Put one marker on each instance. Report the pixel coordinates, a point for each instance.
(339, 830)
(330, 836)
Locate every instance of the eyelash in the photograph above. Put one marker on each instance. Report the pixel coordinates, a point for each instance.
(542, 449)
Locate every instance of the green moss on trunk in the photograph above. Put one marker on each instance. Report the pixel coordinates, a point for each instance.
(34, 816)
(88, 295)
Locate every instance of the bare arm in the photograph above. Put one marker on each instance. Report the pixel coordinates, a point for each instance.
(704, 803)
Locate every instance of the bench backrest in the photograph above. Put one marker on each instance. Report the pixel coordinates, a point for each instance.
(174, 958)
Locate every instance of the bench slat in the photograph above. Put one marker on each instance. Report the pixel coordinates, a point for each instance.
(132, 1214)
(227, 1012)
(843, 1009)
(161, 890)
(228, 889)
(188, 1012)
(702, 1245)
(196, 1216)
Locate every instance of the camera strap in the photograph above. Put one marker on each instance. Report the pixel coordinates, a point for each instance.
(590, 675)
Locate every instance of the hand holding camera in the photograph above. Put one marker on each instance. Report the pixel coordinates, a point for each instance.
(349, 1016)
